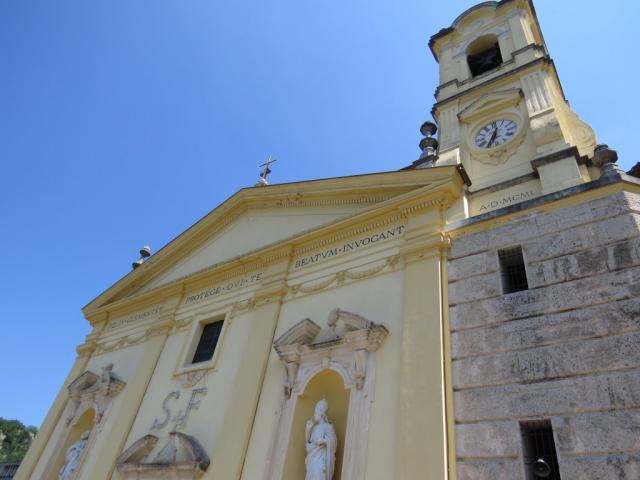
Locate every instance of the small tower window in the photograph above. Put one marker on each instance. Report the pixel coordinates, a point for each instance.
(539, 450)
(484, 55)
(208, 341)
(512, 270)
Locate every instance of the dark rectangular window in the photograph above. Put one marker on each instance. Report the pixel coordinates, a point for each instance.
(207, 343)
(512, 270)
(539, 450)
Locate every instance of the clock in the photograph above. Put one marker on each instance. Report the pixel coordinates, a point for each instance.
(496, 133)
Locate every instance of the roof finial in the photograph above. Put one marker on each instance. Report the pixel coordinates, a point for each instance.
(265, 172)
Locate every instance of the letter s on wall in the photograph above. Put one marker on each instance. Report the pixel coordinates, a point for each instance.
(158, 425)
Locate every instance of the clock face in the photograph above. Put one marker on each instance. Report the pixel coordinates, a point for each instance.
(496, 133)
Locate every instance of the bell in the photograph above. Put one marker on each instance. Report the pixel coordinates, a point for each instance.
(541, 469)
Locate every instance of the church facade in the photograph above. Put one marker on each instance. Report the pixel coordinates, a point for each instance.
(472, 316)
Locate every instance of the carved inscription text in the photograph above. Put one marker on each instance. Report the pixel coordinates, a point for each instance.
(221, 289)
(506, 200)
(350, 246)
(134, 318)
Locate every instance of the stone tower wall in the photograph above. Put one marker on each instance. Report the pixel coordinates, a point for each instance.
(567, 349)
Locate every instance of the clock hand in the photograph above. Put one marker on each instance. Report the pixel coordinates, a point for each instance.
(493, 137)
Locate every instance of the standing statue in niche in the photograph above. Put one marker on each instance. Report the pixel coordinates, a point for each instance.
(72, 456)
(321, 444)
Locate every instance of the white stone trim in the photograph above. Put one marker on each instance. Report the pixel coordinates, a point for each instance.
(307, 350)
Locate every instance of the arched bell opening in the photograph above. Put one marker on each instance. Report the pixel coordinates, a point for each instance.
(82, 427)
(484, 54)
(327, 384)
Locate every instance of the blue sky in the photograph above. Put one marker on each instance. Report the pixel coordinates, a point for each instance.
(122, 123)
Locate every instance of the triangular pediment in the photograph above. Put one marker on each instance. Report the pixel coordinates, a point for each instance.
(255, 227)
(490, 103)
(258, 218)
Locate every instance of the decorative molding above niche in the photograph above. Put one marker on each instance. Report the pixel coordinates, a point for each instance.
(301, 345)
(345, 345)
(91, 390)
(91, 397)
(182, 457)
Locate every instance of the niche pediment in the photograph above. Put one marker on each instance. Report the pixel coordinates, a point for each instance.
(302, 333)
(347, 339)
(93, 390)
(182, 457)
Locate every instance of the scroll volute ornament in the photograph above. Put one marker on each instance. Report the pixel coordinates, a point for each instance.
(288, 348)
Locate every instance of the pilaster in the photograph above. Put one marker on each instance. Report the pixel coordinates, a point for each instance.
(421, 447)
(51, 420)
(126, 407)
(234, 437)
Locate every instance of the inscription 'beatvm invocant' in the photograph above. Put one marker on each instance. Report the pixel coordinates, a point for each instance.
(387, 234)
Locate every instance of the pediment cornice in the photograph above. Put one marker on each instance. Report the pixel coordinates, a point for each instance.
(407, 192)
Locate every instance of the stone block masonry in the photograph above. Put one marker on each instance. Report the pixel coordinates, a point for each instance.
(566, 349)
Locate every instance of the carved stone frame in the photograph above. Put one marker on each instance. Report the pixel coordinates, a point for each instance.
(133, 463)
(306, 349)
(88, 391)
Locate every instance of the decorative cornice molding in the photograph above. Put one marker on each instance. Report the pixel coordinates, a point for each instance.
(421, 205)
(227, 274)
(419, 246)
(442, 182)
(86, 349)
(341, 277)
(348, 233)
(129, 340)
(300, 201)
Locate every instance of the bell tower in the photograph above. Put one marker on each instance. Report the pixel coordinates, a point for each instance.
(502, 111)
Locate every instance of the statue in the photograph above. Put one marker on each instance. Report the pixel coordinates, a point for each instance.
(321, 444)
(72, 456)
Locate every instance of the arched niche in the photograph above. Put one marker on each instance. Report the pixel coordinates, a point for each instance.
(91, 397)
(84, 423)
(327, 384)
(335, 362)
